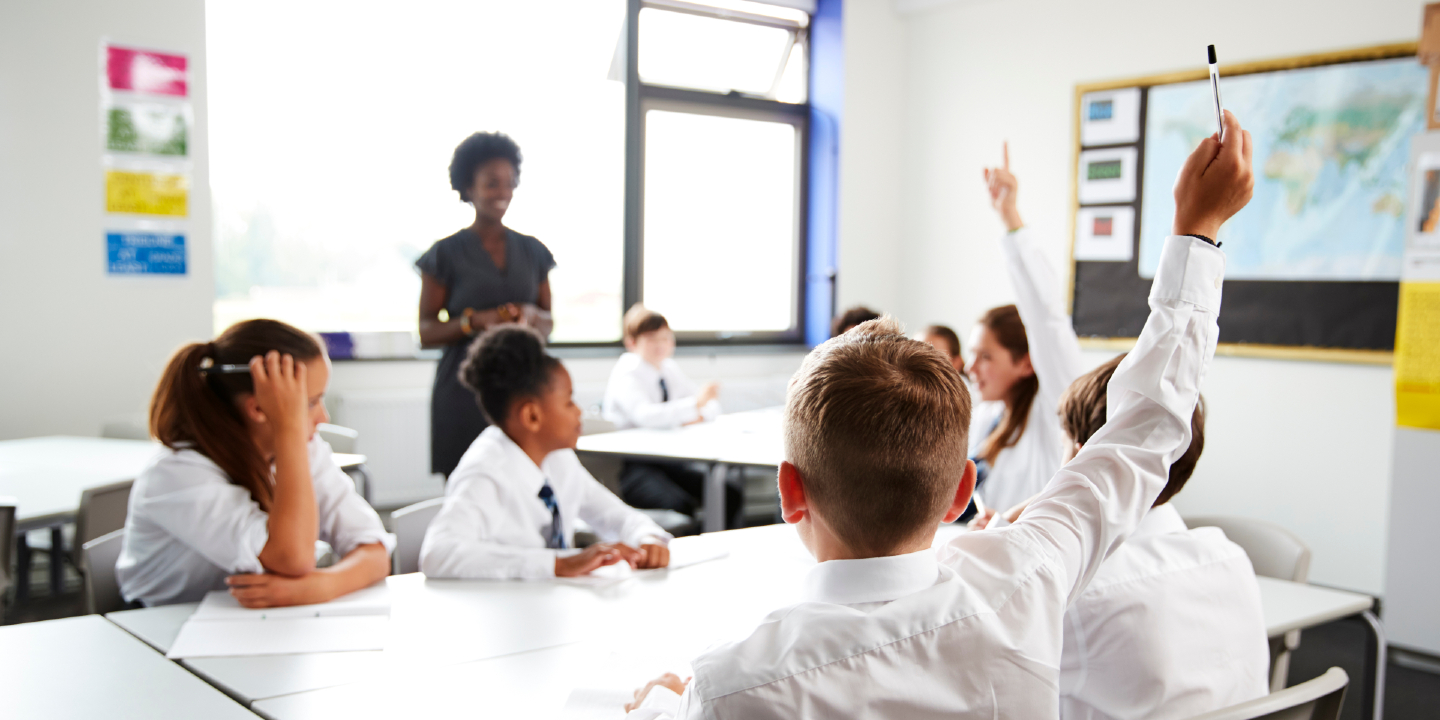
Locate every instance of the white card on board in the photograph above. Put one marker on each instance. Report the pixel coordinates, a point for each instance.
(1107, 176)
(1110, 117)
(1105, 234)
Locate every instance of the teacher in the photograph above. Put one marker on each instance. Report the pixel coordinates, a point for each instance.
(483, 275)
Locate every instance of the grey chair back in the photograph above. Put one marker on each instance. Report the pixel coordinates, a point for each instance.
(102, 511)
(97, 564)
(7, 548)
(1318, 699)
(410, 524)
(341, 439)
(1274, 552)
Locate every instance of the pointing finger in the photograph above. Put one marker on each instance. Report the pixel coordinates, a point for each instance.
(1005, 149)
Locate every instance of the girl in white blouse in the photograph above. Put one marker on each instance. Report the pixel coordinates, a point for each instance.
(246, 488)
(1026, 354)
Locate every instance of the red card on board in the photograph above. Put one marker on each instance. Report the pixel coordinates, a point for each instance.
(146, 71)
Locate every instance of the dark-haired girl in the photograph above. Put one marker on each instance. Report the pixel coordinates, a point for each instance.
(481, 276)
(1026, 354)
(247, 487)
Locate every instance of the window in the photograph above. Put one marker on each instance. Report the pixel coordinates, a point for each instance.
(717, 150)
(332, 127)
(669, 169)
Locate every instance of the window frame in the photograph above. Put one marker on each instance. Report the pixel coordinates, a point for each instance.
(641, 98)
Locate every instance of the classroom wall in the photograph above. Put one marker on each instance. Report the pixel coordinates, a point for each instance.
(1303, 444)
(73, 341)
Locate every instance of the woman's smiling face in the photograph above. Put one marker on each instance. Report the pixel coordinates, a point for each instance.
(493, 188)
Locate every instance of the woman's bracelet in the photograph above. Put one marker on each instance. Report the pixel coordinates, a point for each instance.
(465, 325)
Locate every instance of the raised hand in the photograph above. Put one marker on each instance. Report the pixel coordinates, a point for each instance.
(1003, 189)
(1215, 183)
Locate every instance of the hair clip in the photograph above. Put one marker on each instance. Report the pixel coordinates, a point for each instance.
(224, 369)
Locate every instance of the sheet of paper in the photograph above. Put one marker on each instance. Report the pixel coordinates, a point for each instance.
(221, 605)
(235, 638)
(682, 555)
(588, 704)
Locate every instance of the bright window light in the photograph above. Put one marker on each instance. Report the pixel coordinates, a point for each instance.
(331, 129)
(691, 51)
(721, 196)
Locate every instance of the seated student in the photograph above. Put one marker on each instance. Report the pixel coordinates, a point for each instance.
(945, 340)
(1171, 626)
(246, 486)
(875, 438)
(512, 502)
(850, 318)
(648, 389)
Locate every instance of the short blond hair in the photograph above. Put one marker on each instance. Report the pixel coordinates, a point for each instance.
(640, 320)
(877, 425)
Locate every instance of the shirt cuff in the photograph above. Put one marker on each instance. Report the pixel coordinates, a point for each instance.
(660, 702)
(710, 410)
(1191, 270)
(541, 565)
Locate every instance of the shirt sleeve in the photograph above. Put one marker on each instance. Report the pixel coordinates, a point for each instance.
(1096, 500)
(346, 520)
(197, 504)
(460, 542)
(431, 265)
(1054, 348)
(611, 518)
(661, 703)
(544, 259)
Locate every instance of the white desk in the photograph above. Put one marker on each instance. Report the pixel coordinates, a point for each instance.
(84, 667)
(748, 438)
(619, 635)
(1296, 606)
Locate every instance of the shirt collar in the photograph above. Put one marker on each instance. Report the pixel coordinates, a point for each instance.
(516, 464)
(881, 579)
(1161, 520)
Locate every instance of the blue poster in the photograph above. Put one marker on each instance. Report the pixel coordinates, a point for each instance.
(139, 253)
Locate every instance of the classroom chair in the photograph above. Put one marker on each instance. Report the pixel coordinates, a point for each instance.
(1318, 699)
(102, 511)
(1274, 552)
(409, 524)
(7, 545)
(344, 440)
(97, 566)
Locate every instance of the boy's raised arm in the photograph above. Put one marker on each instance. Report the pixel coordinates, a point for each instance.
(1097, 499)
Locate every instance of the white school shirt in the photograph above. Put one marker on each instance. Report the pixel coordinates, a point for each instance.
(189, 527)
(1022, 469)
(494, 525)
(976, 630)
(1170, 627)
(633, 397)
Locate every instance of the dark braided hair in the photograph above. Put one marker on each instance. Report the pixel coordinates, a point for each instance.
(506, 365)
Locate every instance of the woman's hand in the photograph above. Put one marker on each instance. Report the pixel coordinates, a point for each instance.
(1003, 189)
(266, 590)
(668, 680)
(280, 391)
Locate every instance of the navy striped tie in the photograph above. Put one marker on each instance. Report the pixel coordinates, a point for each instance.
(557, 532)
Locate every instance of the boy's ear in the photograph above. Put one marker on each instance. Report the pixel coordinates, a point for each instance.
(794, 505)
(962, 493)
(629, 343)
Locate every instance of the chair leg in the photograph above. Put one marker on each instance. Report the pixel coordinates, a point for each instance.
(22, 573)
(57, 561)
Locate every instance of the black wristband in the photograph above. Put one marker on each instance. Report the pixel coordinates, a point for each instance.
(1206, 239)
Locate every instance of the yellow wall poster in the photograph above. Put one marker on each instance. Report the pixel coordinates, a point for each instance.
(1417, 356)
(147, 193)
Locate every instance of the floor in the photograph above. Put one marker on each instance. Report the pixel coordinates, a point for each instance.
(1409, 694)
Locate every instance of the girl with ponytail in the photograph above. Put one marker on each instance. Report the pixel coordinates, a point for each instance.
(1026, 355)
(247, 487)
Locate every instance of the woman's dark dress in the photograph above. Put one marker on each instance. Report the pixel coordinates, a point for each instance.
(471, 280)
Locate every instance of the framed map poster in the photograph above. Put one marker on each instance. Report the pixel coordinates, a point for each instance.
(1313, 263)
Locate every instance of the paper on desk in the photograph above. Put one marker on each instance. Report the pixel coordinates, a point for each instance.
(284, 636)
(221, 605)
(681, 556)
(587, 704)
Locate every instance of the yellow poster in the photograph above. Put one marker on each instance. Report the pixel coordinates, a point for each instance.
(1417, 356)
(147, 193)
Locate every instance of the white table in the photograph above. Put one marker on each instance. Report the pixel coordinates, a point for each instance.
(46, 476)
(84, 667)
(748, 438)
(1296, 606)
(619, 635)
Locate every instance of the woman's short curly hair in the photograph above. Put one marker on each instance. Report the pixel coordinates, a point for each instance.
(506, 365)
(476, 150)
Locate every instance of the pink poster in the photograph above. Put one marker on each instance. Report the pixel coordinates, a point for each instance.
(146, 71)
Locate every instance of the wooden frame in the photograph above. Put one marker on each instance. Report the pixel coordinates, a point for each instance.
(1273, 352)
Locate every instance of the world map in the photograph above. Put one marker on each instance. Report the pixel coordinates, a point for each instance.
(1331, 145)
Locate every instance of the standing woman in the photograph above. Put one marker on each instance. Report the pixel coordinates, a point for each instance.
(1026, 355)
(483, 275)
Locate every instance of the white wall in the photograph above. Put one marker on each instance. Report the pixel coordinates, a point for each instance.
(1303, 444)
(73, 341)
